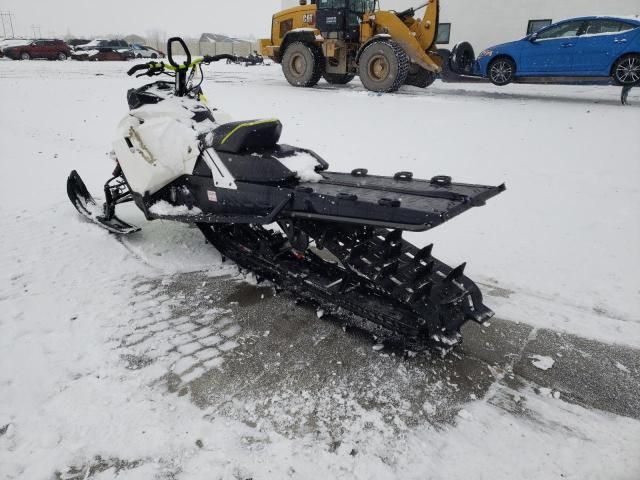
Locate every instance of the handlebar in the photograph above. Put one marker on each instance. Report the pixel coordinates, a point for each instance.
(137, 68)
(156, 68)
(217, 58)
(182, 85)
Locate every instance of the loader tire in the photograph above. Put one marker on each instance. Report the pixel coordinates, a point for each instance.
(419, 77)
(384, 66)
(303, 64)
(338, 78)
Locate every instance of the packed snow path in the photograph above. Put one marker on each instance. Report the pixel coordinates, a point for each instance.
(137, 360)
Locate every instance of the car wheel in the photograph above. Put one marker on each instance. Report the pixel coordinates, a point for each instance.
(461, 58)
(153, 55)
(502, 71)
(62, 56)
(25, 56)
(139, 56)
(626, 71)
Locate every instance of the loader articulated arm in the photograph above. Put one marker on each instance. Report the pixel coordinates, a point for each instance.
(410, 12)
(417, 37)
(426, 29)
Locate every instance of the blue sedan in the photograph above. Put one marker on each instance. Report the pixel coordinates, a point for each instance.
(580, 48)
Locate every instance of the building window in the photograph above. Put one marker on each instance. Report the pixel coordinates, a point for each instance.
(535, 25)
(444, 33)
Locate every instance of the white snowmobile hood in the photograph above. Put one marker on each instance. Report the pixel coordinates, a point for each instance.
(157, 143)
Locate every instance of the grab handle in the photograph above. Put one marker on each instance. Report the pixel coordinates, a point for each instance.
(170, 43)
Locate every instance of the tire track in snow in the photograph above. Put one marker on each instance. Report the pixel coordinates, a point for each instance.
(180, 329)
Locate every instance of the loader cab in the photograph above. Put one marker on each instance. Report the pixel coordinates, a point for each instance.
(340, 19)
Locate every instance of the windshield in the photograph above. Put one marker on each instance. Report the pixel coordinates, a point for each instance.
(356, 6)
(362, 6)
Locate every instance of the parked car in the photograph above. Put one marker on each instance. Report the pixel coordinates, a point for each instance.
(77, 42)
(103, 43)
(103, 50)
(578, 48)
(142, 51)
(50, 49)
(100, 54)
(13, 42)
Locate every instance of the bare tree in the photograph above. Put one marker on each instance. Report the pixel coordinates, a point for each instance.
(157, 39)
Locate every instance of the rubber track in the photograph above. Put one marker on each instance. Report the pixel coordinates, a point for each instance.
(434, 291)
(360, 298)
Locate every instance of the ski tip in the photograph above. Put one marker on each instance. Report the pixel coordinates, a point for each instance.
(76, 189)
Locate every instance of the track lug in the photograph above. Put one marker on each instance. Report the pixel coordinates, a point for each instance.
(424, 254)
(456, 273)
(480, 314)
(357, 252)
(423, 271)
(393, 236)
(388, 269)
(393, 244)
(421, 292)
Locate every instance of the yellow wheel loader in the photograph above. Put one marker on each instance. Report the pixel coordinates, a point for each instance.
(339, 39)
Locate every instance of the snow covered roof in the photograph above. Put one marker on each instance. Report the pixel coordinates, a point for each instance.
(14, 42)
(217, 37)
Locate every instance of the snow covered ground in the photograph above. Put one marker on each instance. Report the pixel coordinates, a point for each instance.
(94, 331)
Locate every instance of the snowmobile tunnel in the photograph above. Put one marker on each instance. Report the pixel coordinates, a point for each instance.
(393, 202)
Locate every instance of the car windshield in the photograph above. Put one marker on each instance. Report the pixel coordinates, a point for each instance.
(567, 29)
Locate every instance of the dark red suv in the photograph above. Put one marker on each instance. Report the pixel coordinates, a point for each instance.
(50, 49)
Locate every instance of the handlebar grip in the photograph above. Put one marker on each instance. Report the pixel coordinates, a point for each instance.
(217, 58)
(179, 40)
(137, 68)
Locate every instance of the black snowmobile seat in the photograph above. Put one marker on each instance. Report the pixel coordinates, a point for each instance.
(248, 135)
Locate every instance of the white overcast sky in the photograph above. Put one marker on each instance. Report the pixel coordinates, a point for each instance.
(189, 18)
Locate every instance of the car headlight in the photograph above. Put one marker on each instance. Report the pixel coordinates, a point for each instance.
(485, 53)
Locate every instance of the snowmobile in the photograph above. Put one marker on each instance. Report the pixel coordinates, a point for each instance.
(332, 239)
(254, 59)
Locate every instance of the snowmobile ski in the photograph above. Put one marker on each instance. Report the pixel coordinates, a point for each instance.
(88, 208)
